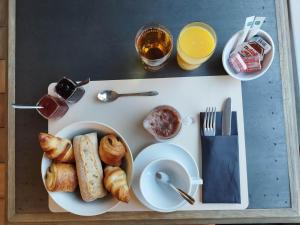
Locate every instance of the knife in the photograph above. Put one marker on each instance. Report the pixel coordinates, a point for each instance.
(226, 118)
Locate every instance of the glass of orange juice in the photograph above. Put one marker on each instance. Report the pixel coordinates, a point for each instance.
(195, 44)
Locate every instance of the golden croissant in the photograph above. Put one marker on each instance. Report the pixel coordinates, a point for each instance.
(58, 149)
(116, 183)
(111, 150)
(61, 177)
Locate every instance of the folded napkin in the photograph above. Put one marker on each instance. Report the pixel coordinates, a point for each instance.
(220, 164)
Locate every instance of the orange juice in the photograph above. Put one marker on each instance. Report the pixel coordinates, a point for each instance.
(195, 44)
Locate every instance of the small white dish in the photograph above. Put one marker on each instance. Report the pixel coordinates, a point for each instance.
(267, 61)
(160, 195)
(72, 202)
(157, 151)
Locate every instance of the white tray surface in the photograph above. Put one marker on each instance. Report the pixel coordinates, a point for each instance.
(189, 95)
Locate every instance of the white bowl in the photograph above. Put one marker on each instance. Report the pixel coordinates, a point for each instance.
(72, 202)
(160, 197)
(268, 58)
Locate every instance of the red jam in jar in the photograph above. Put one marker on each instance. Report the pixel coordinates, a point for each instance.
(53, 107)
(163, 122)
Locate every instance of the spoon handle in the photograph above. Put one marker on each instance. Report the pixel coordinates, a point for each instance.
(186, 196)
(26, 106)
(84, 82)
(183, 194)
(149, 93)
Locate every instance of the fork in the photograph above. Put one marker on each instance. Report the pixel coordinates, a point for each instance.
(209, 123)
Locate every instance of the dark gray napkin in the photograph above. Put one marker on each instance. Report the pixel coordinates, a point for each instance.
(220, 164)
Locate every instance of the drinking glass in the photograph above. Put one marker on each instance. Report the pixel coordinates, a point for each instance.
(196, 43)
(154, 44)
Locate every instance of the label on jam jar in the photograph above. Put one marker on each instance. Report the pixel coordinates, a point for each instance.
(53, 108)
(68, 90)
(237, 63)
(262, 42)
(247, 64)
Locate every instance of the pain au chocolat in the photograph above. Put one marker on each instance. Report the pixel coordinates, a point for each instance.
(111, 150)
(61, 177)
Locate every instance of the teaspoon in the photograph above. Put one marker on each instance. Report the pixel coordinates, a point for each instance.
(164, 178)
(109, 95)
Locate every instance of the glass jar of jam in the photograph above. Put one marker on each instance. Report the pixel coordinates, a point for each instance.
(163, 122)
(68, 90)
(53, 107)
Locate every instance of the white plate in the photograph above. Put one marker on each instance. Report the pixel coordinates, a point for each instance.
(162, 150)
(72, 202)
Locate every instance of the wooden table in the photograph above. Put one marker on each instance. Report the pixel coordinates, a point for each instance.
(276, 163)
(3, 97)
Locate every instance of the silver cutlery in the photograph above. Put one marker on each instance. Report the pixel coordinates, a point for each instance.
(165, 179)
(226, 118)
(209, 123)
(26, 106)
(109, 95)
(83, 82)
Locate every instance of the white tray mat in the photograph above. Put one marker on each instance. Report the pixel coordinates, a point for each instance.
(189, 95)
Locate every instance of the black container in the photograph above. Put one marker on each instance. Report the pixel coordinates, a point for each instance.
(68, 90)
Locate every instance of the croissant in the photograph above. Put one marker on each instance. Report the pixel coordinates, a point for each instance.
(59, 149)
(61, 177)
(111, 150)
(116, 183)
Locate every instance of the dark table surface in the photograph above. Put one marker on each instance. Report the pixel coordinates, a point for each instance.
(93, 38)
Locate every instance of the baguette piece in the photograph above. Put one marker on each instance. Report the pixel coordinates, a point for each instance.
(89, 168)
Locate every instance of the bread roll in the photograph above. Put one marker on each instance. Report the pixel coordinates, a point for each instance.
(61, 177)
(89, 168)
(58, 149)
(115, 182)
(111, 150)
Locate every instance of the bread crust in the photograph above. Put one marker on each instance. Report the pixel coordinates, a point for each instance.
(89, 168)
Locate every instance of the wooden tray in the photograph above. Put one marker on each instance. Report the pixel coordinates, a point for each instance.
(228, 25)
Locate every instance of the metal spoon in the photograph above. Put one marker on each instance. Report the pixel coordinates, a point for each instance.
(26, 106)
(109, 95)
(164, 178)
(83, 82)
